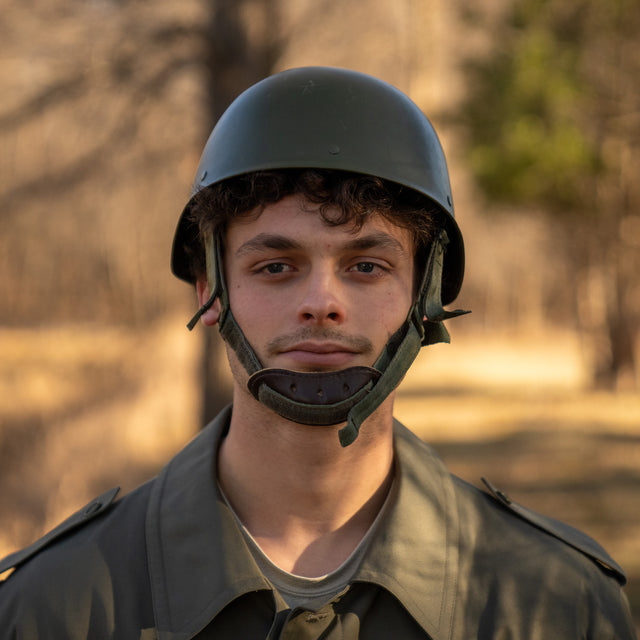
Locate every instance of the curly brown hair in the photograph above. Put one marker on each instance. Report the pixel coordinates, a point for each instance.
(355, 197)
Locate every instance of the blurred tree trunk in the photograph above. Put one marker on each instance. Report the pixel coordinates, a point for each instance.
(243, 48)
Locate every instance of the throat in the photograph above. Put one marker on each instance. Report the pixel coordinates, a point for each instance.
(308, 556)
(306, 501)
(306, 552)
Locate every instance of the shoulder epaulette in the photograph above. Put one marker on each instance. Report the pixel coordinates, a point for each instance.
(564, 532)
(79, 518)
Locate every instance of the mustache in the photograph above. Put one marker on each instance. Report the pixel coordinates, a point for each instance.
(358, 343)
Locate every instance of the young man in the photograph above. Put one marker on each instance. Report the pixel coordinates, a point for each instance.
(321, 241)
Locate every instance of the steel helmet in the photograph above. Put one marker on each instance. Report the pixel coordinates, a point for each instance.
(331, 118)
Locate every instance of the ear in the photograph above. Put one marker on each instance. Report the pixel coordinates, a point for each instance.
(210, 317)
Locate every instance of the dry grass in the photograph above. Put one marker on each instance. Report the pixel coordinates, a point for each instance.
(86, 408)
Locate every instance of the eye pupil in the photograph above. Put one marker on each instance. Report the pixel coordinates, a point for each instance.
(366, 267)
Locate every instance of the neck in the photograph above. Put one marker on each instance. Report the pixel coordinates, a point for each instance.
(305, 499)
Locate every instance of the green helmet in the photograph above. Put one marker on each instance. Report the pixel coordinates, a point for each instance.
(330, 118)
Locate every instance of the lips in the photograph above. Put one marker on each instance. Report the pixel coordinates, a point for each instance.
(324, 347)
(313, 353)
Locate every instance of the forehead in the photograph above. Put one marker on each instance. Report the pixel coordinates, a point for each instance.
(300, 220)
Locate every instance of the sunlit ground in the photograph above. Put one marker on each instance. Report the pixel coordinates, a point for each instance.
(488, 387)
(84, 409)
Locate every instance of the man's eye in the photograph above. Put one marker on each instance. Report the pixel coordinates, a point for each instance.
(365, 267)
(276, 267)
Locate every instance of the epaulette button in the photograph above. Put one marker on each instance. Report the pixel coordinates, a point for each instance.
(92, 508)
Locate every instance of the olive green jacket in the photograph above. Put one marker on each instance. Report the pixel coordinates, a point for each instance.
(449, 562)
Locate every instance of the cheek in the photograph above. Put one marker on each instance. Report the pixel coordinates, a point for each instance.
(398, 300)
(253, 309)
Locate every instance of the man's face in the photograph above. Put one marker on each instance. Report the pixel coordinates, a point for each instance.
(312, 297)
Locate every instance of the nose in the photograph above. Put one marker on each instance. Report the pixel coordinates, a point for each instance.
(321, 302)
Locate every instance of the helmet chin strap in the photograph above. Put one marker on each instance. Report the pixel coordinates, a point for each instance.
(352, 394)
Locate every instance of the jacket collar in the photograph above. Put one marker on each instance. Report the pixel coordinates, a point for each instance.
(199, 562)
(414, 554)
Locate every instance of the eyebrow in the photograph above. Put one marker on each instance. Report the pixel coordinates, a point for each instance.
(267, 241)
(374, 240)
(264, 241)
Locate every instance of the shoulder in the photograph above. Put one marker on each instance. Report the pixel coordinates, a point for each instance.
(519, 573)
(93, 561)
(102, 517)
(517, 560)
(494, 523)
(566, 534)
(79, 519)
(513, 525)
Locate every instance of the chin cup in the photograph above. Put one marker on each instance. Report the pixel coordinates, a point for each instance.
(317, 398)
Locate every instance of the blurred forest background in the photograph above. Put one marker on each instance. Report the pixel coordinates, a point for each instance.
(105, 106)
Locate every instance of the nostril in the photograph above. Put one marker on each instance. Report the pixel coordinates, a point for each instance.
(320, 307)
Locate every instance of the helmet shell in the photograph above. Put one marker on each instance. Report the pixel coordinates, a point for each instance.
(329, 118)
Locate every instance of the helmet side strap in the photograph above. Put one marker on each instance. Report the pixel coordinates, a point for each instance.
(215, 284)
(429, 302)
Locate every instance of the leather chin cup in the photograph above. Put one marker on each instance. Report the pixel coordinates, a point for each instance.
(318, 398)
(352, 394)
